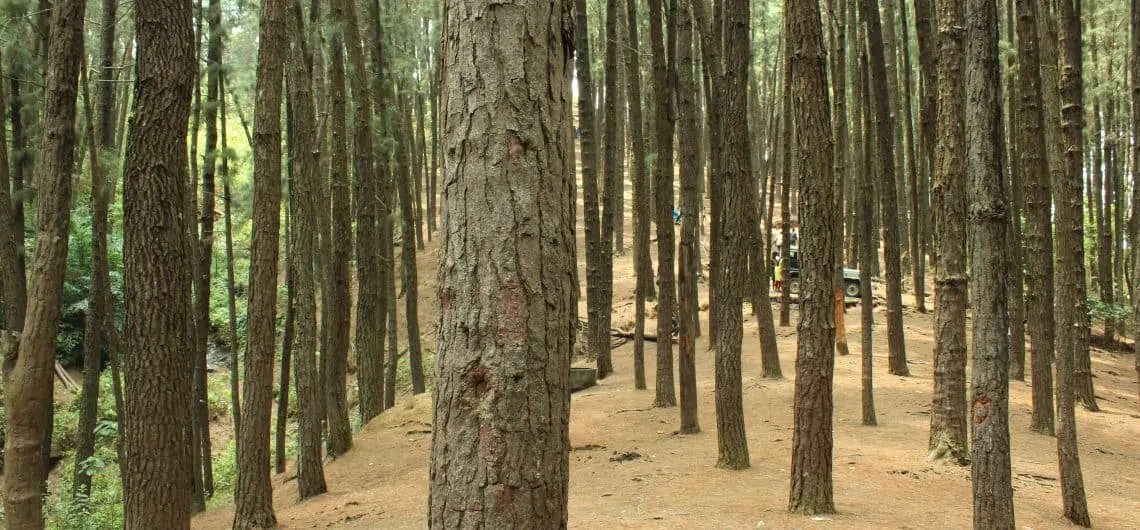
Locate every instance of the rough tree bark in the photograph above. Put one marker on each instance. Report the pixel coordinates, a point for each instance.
(505, 339)
(1070, 271)
(687, 260)
(734, 234)
(666, 395)
(916, 235)
(1038, 216)
(157, 259)
(643, 262)
(811, 486)
(888, 210)
(254, 506)
(335, 361)
(948, 412)
(29, 377)
(302, 245)
(839, 154)
(867, 250)
(991, 478)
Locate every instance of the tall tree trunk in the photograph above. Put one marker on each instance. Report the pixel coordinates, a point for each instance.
(526, 382)
(408, 254)
(666, 395)
(1102, 209)
(28, 378)
(917, 242)
(288, 337)
(989, 399)
(867, 248)
(335, 361)
(894, 103)
(254, 491)
(97, 309)
(1070, 273)
(688, 262)
(787, 164)
(13, 286)
(156, 278)
(369, 346)
(597, 336)
(643, 262)
(1013, 182)
(227, 205)
(839, 154)
(884, 144)
(1038, 215)
(1134, 221)
(948, 413)
(374, 388)
(811, 486)
(302, 245)
(924, 19)
(610, 174)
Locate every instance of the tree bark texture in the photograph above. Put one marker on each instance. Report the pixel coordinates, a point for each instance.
(157, 259)
(884, 145)
(666, 395)
(643, 262)
(597, 336)
(302, 244)
(335, 361)
(991, 478)
(948, 413)
(408, 261)
(500, 449)
(29, 377)
(1038, 216)
(687, 259)
(254, 506)
(1070, 269)
(811, 485)
(734, 235)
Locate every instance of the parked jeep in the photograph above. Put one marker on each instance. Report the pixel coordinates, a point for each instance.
(851, 285)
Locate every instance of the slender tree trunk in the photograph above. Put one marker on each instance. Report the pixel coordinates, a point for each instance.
(687, 260)
(302, 243)
(924, 19)
(1134, 222)
(13, 279)
(1038, 215)
(288, 338)
(867, 249)
(28, 378)
(839, 153)
(335, 361)
(786, 166)
(375, 385)
(989, 396)
(811, 486)
(917, 243)
(527, 382)
(369, 346)
(666, 395)
(1071, 313)
(884, 143)
(227, 205)
(597, 335)
(254, 490)
(894, 103)
(643, 262)
(408, 256)
(156, 283)
(948, 413)
(99, 295)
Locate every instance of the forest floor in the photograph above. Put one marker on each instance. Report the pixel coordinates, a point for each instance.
(629, 468)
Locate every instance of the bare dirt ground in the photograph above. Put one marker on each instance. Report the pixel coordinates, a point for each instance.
(665, 480)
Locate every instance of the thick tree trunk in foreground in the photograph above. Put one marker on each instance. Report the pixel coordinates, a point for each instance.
(501, 377)
(254, 490)
(989, 226)
(948, 413)
(157, 275)
(1070, 274)
(811, 486)
(28, 378)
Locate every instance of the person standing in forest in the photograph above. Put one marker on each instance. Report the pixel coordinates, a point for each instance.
(505, 339)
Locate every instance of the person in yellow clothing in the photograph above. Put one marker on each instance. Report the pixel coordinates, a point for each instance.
(778, 274)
